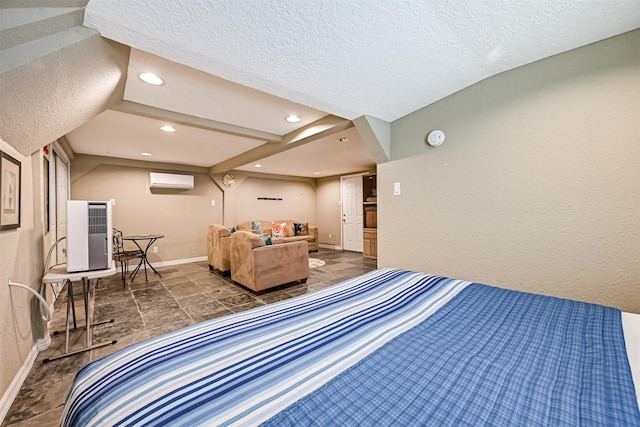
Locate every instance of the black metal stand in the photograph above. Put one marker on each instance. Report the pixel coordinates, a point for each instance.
(143, 261)
(71, 312)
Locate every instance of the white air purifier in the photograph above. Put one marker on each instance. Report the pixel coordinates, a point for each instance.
(89, 236)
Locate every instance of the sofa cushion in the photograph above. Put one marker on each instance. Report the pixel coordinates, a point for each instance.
(257, 227)
(301, 229)
(279, 240)
(244, 225)
(278, 229)
(289, 226)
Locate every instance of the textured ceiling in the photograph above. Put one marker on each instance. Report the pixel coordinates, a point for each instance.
(348, 58)
(245, 65)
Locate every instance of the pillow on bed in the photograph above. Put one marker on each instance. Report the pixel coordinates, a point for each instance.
(279, 229)
(257, 227)
(301, 229)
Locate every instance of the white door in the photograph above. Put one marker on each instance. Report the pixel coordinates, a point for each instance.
(352, 213)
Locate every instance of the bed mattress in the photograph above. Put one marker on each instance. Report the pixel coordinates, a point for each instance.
(388, 347)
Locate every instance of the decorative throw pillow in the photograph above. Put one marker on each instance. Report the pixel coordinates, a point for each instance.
(279, 229)
(257, 227)
(267, 240)
(301, 229)
(232, 230)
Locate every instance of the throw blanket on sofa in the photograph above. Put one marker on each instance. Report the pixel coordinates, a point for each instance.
(388, 347)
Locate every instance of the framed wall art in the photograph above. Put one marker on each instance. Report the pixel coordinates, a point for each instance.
(10, 180)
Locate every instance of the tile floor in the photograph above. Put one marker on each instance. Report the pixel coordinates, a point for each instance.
(185, 294)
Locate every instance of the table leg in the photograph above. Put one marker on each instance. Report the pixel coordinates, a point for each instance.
(73, 303)
(86, 290)
(144, 261)
(140, 264)
(69, 302)
(151, 242)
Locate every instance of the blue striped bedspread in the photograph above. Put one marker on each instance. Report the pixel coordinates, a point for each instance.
(390, 347)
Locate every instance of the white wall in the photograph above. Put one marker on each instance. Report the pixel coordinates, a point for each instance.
(21, 261)
(328, 194)
(182, 216)
(298, 200)
(537, 185)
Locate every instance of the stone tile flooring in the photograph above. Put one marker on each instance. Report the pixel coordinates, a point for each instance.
(185, 294)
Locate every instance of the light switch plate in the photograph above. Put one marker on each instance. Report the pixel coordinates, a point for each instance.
(396, 188)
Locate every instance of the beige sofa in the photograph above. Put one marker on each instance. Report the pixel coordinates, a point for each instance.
(218, 248)
(259, 266)
(311, 239)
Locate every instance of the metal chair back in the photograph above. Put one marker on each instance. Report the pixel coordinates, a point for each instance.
(123, 256)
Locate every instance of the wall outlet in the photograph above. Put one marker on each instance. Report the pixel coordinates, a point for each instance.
(329, 235)
(155, 249)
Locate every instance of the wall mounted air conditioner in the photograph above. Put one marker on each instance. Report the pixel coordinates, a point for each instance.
(170, 180)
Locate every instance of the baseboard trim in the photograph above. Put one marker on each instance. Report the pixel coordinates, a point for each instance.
(14, 388)
(44, 343)
(172, 262)
(179, 261)
(326, 246)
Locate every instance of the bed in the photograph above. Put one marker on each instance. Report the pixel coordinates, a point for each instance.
(390, 347)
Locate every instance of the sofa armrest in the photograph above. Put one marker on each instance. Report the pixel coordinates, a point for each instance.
(210, 231)
(313, 231)
(218, 240)
(241, 256)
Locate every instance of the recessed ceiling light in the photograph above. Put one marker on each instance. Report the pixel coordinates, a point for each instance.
(292, 119)
(151, 78)
(147, 154)
(316, 173)
(343, 139)
(168, 128)
(257, 165)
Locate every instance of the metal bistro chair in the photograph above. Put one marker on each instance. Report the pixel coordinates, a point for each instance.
(122, 256)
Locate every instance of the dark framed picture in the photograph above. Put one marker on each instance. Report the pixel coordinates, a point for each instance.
(10, 179)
